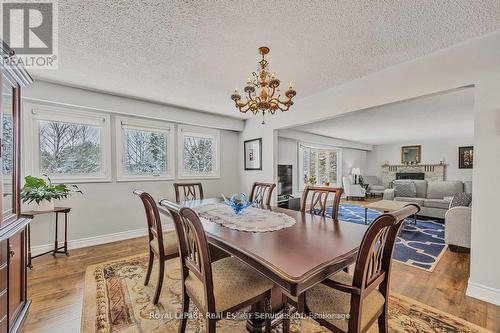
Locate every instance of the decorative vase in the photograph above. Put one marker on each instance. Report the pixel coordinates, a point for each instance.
(238, 204)
(44, 206)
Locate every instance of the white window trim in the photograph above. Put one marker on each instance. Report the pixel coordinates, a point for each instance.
(34, 112)
(314, 146)
(141, 124)
(183, 130)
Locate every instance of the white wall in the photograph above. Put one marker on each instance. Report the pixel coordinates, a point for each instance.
(484, 282)
(432, 152)
(109, 211)
(288, 151)
(474, 62)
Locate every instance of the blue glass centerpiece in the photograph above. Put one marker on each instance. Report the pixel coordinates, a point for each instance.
(238, 203)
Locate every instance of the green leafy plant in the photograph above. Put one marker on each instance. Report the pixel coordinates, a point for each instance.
(38, 189)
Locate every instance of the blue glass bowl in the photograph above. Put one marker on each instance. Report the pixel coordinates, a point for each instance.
(238, 204)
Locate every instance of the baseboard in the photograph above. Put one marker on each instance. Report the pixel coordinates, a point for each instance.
(95, 240)
(483, 293)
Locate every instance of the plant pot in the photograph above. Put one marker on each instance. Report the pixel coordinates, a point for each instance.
(44, 206)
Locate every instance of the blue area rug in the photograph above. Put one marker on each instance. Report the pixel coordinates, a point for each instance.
(420, 245)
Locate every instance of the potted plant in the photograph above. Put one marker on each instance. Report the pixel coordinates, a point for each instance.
(43, 192)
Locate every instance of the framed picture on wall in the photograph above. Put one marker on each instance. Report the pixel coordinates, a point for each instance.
(253, 154)
(411, 154)
(465, 157)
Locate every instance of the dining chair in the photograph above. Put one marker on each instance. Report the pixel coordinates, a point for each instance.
(262, 192)
(216, 288)
(319, 200)
(162, 245)
(190, 191)
(364, 295)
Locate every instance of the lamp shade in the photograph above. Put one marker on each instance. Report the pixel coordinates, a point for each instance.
(356, 171)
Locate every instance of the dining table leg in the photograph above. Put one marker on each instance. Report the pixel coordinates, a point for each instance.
(256, 324)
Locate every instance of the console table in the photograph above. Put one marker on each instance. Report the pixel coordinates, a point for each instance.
(63, 249)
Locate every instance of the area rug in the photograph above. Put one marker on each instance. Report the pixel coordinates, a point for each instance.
(420, 245)
(116, 300)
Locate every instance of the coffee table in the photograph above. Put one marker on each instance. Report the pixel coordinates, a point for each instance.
(387, 206)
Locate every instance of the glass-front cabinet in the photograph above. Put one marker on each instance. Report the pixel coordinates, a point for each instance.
(14, 302)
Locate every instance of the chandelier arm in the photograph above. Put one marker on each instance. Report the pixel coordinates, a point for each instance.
(284, 109)
(272, 94)
(250, 97)
(242, 108)
(285, 102)
(241, 105)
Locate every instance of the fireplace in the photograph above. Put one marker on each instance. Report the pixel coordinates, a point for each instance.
(410, 175)
(429, 172)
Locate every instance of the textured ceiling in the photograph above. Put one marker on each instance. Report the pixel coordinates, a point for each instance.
(433, 117)
(194, 53)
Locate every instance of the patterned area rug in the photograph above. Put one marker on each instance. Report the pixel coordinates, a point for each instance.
(420, 245)
(116, 300)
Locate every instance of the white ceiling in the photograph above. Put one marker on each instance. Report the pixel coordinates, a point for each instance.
(434, 117)
(194, 53)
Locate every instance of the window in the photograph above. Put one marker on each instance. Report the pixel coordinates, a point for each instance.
(69, 145)
(199, 152)
(319, 165)
(144, 149)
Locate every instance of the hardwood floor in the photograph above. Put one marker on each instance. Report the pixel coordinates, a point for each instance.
(56, 287)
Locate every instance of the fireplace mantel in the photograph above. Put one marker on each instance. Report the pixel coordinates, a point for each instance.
(433, 172)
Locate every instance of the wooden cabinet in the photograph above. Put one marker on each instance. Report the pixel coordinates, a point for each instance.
(13, 245)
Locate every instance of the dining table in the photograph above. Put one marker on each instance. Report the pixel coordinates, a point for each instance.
(295, 258)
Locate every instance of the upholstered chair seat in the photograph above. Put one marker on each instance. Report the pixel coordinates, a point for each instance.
(322, 299)
(233, 281)
(170, 244)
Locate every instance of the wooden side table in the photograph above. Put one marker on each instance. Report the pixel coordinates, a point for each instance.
(63, 249)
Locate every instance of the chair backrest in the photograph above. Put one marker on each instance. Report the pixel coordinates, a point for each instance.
(261, 193)
(193, 249)
(373, 263)
(152, 218)
(190, 191)
(319, 200)
(371, 180)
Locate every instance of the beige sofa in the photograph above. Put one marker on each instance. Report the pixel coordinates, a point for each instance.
(430, 196)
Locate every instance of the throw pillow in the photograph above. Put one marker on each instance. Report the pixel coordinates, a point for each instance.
(406, 189)
(461, 199)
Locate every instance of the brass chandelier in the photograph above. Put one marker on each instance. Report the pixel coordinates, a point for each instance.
(263, 92)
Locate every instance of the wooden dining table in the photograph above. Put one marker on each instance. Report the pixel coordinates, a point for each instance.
(295, 258)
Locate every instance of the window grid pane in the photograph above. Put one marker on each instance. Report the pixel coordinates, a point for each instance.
(199, 155)
(67, 148)
(145, 152)
(319, 164)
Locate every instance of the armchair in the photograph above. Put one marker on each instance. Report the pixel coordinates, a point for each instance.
(375, 186)
(457, 225)
(351, 189)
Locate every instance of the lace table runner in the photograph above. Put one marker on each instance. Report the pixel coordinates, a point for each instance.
(251, 219)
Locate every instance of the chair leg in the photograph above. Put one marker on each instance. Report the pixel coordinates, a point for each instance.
(382, 322)
(211, 323)
(184, 313)
(150, 267)
(159, 284)
(268, 311)
(286, 315)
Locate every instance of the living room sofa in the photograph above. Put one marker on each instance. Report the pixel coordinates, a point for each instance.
(430, 196)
